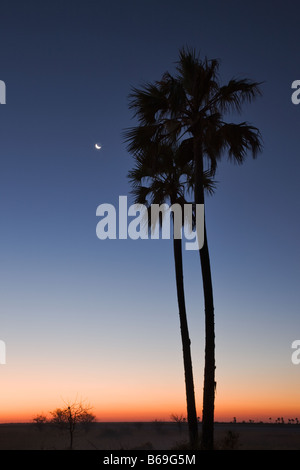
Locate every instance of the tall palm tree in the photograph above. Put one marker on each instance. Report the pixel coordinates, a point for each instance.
(193, 104)
(157, 179)
(159, 176)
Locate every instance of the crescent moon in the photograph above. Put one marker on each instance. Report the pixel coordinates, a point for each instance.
(97, 146)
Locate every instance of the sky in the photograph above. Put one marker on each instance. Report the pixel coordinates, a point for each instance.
(97, 320)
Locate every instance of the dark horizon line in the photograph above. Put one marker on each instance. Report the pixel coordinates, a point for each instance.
(276, 421)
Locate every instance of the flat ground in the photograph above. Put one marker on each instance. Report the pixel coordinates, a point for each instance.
(147, 436)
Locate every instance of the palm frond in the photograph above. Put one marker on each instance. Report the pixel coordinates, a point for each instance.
(139, 137)
(147, 102)
(232, 96)
(240, 139)
(175, 95)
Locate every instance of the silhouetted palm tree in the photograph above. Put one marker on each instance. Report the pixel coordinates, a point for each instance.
(159, 176)
(155, 179)
(193, 104)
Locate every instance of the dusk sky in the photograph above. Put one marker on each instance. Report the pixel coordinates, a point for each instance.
(98, 319)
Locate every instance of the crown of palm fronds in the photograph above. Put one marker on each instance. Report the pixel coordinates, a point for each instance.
(193, 102)
(163, 174)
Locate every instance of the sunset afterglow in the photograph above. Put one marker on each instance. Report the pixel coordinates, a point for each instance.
(95, 318)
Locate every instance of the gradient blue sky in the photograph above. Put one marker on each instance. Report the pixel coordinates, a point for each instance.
(99, 318)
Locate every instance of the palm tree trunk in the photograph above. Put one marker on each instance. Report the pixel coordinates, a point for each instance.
(186, 347)
(209, 367)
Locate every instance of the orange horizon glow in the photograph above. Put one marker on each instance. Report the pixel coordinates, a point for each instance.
(227, 414)
(122, 399)
(22, 401)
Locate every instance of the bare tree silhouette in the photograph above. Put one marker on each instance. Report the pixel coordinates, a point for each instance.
(69, 417)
